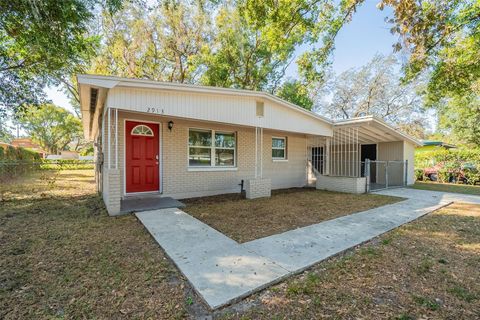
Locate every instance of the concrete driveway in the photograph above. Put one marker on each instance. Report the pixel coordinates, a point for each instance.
(223, 271)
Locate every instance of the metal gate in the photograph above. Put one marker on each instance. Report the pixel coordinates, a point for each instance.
(385, 174)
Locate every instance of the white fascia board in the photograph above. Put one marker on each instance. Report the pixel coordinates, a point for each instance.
(110, 82)
(95, 82)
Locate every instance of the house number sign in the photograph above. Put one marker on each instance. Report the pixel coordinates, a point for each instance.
(154, 110)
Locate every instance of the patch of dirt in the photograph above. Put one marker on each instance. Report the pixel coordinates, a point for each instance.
(245, 220)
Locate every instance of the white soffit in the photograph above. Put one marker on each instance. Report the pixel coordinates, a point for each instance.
(372, 130)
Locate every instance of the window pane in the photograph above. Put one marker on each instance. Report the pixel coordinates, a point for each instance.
(199, 157)
(200, 138)
(224, 157)
(278, 153)
(278, 143)
(142, 130)
(224, 140)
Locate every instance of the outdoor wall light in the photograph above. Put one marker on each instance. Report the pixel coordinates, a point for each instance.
(170, 125)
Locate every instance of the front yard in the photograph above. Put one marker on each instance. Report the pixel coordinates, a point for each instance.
(245, 220)
(61, 256)
(428, 269)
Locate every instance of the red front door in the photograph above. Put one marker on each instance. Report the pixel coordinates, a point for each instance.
(141, 157)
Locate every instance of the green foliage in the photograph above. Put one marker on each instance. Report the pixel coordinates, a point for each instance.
(240, 44)
(43, 42)
(158, 43)
(453, 161)
(441, 35)
(462, 293)
(5, 134)
(87, 150)
(426, 302)
(443, 39)
(65, 164)
(51, 126)
(460, 115)
(419, 174)
(460, 155)
(12, 153)
(297, 93)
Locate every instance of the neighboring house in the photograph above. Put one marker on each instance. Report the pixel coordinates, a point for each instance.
(187, 141)
(5, 145)
(430, 145)
(69, 155)
(28, 144)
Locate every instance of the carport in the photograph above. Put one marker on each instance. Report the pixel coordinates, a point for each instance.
(364, 154)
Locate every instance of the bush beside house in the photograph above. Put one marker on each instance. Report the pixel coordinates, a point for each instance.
(11, 153)
(452, 165)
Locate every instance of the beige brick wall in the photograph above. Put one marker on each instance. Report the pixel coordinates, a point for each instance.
(342, 184)
(111, 191)
(180, 182)
(258, 188)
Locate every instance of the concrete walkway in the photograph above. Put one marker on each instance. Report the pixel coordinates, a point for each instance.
(223, 271)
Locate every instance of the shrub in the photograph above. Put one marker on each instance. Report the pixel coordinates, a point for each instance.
(454, 162)
(12, 153)
(419, 174)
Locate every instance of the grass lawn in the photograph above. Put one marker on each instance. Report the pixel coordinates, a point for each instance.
(428, 269)
(62, 257)
(447, 187)
(245, 220)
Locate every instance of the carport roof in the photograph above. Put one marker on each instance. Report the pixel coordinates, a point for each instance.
(374, 130)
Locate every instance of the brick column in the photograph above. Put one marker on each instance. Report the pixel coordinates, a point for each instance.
(111, 191)
(258, 188)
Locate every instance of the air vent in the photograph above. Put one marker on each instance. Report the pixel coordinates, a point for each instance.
(260, 108)
(93, 99)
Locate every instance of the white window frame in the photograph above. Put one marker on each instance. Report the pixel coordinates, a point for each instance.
(212, 148)
(148, 133)
(285, 148)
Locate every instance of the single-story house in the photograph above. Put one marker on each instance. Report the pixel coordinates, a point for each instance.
(181, 141)
(27, 143)
(69, 155)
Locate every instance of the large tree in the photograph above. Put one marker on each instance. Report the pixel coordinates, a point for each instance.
(373, 89)
(52, 127)
(255, 41)
(43, 43)
(241, 44)
(460, 117)
(158, 43)
(297, 93)
(442, 39)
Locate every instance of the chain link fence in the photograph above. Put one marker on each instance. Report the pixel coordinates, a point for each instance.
(385, 174)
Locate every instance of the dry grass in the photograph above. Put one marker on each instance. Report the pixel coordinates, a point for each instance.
(245, 220)
(62, 257)
(447, 187)
(428, 269)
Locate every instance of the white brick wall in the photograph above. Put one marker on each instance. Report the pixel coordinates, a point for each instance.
(179, 182)
(342, 184)
(111, 191)
(258, 188)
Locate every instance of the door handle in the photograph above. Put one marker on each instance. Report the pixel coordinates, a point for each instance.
(156, 157)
